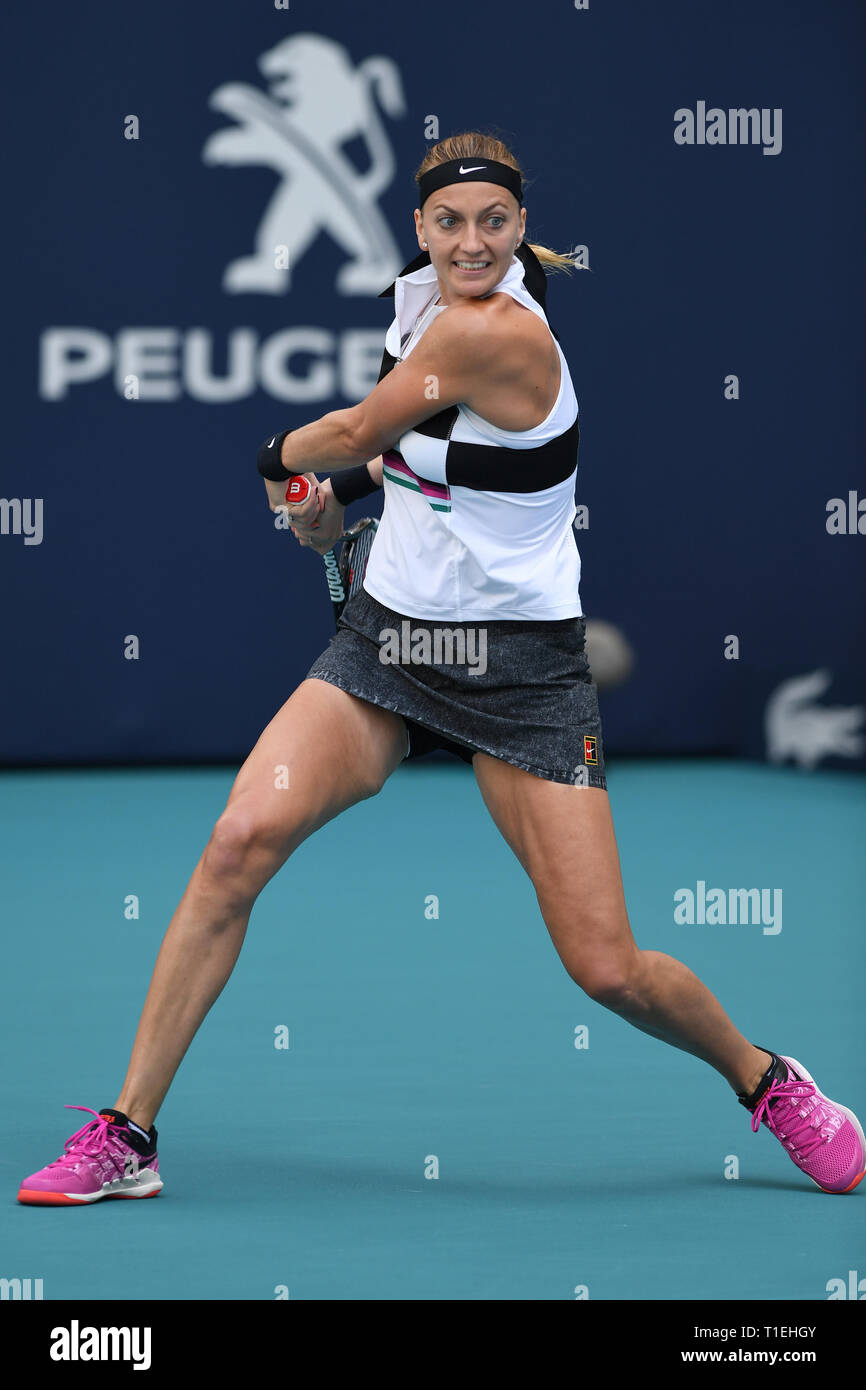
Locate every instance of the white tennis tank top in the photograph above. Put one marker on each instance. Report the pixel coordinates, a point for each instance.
(477, 521)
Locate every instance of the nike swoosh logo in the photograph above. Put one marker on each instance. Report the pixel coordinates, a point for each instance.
(472, 169)
(271, 445)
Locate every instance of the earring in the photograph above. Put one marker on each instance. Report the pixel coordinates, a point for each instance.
(424, 244)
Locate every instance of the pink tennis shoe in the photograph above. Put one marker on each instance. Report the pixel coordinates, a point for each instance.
(105, 1158)
(823, 1138)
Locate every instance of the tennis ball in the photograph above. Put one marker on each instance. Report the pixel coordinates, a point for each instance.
(611, 657)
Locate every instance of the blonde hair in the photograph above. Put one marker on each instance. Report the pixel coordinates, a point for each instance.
(476, 144)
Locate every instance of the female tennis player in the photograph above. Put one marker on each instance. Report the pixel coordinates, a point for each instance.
(473, 429)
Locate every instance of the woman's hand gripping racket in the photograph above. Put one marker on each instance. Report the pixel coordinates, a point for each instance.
(345, 575)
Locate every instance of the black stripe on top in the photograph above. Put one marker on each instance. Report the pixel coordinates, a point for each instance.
(496, 468)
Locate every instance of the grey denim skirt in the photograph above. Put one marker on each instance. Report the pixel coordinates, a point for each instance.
(518, 690)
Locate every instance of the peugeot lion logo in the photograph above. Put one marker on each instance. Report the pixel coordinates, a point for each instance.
(317, 102)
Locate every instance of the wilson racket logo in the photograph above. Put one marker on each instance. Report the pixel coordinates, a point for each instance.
(332, 574)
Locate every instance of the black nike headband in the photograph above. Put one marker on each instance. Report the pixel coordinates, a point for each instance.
(469, 170)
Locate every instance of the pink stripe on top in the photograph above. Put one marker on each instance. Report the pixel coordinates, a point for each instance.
(398, 464)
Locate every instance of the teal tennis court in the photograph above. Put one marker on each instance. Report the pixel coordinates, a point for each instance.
(402, 957)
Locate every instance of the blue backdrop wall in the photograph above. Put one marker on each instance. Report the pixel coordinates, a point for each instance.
(157, 157)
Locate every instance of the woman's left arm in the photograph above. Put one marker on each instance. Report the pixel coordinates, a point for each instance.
(458, 346)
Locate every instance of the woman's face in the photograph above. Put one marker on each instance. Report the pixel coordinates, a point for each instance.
(471, 231)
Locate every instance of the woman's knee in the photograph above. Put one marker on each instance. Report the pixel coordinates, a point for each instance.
(609, 974)
(611, 983)
(246, 848)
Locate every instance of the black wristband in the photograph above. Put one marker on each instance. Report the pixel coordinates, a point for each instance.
(268, 459)
(351, 484)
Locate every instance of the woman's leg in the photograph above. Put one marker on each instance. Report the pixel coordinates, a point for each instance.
(564, 838)
(337, 750)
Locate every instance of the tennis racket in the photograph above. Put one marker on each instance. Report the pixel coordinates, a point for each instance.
(345, 575)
